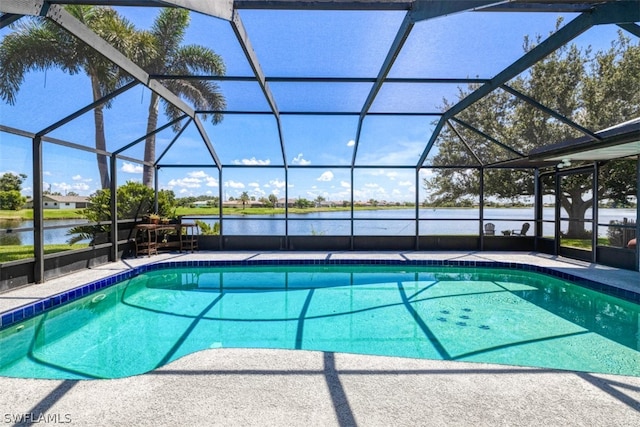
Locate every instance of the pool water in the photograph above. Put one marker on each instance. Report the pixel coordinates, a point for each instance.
(448, 313)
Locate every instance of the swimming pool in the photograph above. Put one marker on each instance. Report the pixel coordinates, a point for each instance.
(472, 314)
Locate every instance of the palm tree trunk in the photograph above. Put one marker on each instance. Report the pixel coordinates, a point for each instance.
(101, 142)
(150, 142)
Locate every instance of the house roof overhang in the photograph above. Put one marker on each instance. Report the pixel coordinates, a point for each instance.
(617, 142)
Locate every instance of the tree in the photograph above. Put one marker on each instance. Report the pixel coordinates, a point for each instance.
(10, 187)
(302, 203)
(214, 202)
(594, 90)
(134, 201)
(39, 44)
(244, 198)
(169, 58)
(273, 200)
(11, 182)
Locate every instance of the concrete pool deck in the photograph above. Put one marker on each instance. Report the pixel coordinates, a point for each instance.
(282, 387)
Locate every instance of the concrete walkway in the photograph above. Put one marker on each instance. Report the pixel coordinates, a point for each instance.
(239, 387)
(280, 387)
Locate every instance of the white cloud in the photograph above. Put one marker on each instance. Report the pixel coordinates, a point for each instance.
(345, 184)
(211, 181)
(254, 184)
(326, 176)
(63, 187)
(298, 160)
(46, 173)
(391, 175)
(233, 184)
(372, 185)
(277, 183)
(252, 161)
(351, 143)
(80, 178)
(186, 182)
(405, 183)
(131, 168)
(198, 174)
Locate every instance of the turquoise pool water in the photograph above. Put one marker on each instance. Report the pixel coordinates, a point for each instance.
(449, 313)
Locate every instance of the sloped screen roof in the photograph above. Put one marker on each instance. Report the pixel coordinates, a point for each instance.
(324, 83)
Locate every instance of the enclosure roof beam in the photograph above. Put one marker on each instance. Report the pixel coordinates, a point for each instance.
(16, 131)
(222, 9)
(142, 138)
(607, 13)
(464, 142)
(88, 108)
(277, 79)
(551, 112)
(175, 138)
(82, 32)
(488, 137)
(432, 141)
(632, 28)
(8, 19)
(394, 51)
(564, 35)
(245, 43)
(207, 142)
(429, 9)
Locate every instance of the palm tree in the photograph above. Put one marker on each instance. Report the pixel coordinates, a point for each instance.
(39, 44)
(244, 197)
(170, 58)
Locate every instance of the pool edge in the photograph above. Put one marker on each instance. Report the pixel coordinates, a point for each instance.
(32, 309)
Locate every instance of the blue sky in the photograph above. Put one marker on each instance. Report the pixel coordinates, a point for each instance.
(287, 44)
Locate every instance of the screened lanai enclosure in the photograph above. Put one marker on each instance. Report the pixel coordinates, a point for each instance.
(319, 125)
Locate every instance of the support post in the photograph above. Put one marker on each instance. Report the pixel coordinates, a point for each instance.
(155, 190)
(594, 225)
(556, 237)
(351, 210)
(113, 257)
(417, 245)
(38, 214)
(220, 211)
(481, 207)
(286, 206)
(637, 214)
(538, 206)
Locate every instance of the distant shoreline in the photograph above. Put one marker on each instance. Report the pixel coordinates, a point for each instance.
(56, 214)
(27, 214)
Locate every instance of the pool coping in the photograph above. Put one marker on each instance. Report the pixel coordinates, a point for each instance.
(32, 309)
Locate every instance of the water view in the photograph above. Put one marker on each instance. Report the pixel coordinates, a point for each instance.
(371, 222)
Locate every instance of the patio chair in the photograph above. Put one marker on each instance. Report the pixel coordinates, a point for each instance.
(523, 231)
(489, 229)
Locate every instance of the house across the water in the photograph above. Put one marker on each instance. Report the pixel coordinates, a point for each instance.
(60, 202)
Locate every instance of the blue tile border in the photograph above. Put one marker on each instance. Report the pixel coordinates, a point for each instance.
(33, 309)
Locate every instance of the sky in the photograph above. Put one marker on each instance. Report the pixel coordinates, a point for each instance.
(318, 147)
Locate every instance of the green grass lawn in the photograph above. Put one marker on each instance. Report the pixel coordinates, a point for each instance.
(583, 243)
(27, 214)
(16, 252)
